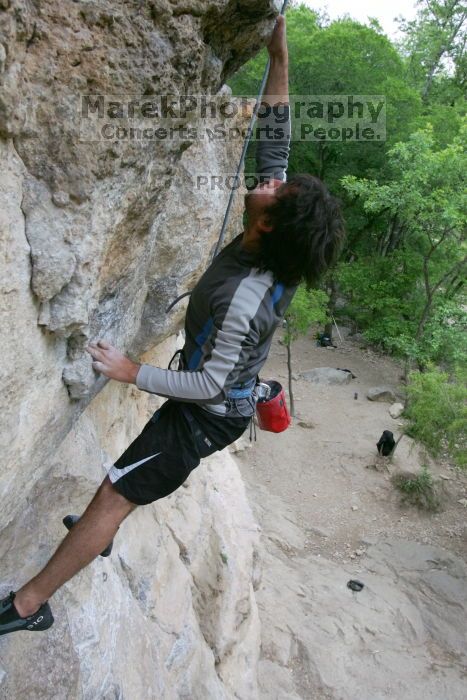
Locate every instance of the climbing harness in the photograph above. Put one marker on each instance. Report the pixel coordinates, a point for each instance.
(270, 403)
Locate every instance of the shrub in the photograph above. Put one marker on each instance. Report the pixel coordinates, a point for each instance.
(437, 411)
(417, 490)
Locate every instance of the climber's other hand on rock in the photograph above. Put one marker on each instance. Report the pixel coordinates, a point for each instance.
(111, 363)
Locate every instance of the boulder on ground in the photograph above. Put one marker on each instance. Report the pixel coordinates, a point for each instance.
(381, 393)
(396, 410)
(243, 443)
(326, 375)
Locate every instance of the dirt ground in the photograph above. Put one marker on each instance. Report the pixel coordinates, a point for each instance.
(327, 514)
(326, 472)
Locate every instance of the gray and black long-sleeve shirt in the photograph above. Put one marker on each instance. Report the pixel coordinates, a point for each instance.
(233, 312)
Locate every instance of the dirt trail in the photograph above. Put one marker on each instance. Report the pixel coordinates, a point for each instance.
(328, 515)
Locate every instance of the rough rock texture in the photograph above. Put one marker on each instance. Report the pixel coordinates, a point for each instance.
(94, 211)
(381, 393)
(396, 410)
(326, 375)
(402, 636)
(97, 237)
(172, 612)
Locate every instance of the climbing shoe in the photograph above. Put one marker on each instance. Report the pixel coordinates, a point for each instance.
(10, 621)
(70, 520)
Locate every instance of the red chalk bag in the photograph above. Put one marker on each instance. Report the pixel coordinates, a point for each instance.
(271, 408)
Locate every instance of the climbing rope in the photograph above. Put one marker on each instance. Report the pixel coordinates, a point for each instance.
(240, 165)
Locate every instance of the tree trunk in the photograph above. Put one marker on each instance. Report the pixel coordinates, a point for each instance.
(454, 287)
(446, 46)
(395, 446)
(289, 367)
(424, 318)
(328, 328)
(322, 148)
(431, 74)
(408, 366)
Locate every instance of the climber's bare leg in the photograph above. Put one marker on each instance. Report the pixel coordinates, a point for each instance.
(89, 536)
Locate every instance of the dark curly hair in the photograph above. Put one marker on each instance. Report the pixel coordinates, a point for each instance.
(308, 230)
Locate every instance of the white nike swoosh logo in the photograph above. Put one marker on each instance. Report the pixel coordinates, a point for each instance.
(115, 474)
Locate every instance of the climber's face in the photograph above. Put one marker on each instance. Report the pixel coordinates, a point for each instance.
(260, 198)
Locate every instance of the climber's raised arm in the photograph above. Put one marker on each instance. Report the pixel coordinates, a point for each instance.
(273, 124)
(277, 86)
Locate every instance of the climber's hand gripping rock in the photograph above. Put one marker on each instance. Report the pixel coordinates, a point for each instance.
(110, 362)
(277, 46)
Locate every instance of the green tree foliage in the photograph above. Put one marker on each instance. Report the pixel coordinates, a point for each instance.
(437, 411)
(339, 58)
(419, 491)
(348, 58)
(433, 48)
(305, 309)
(407, 274)
(435, 42)
(403, 270)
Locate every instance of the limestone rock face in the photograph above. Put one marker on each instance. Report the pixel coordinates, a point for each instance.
(94, 207)
(99, 232)
(172, 612)
(98, 237)
(326, 641)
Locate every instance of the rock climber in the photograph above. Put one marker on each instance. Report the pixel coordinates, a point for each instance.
(292, 233)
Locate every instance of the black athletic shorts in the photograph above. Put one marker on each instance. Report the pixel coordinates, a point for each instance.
(170, 446)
